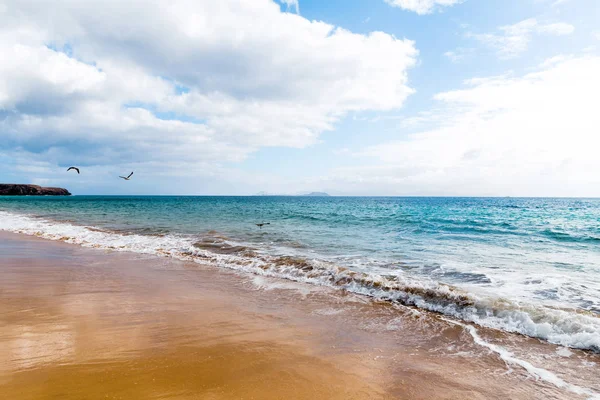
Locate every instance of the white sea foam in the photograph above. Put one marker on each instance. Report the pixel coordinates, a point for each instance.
(539, 373)
(564, 327)
(265, 283)
(564, 352)
(328, 311)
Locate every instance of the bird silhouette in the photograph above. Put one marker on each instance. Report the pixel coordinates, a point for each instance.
(75, 168)
(126, 177)
(263, 224)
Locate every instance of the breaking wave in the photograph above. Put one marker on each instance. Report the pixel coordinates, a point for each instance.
(571, 328)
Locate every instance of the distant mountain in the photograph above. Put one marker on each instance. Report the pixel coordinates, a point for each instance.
(317, 194)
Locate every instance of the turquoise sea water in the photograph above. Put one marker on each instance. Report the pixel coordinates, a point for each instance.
(525, 265)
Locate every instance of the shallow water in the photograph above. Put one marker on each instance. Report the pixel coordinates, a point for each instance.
(530, 266)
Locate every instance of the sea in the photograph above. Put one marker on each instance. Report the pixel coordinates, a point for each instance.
(525, 265)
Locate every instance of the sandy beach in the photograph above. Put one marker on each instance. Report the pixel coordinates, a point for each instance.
(81, 323)
(299, 199)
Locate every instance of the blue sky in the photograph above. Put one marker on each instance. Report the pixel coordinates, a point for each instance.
(396, 97)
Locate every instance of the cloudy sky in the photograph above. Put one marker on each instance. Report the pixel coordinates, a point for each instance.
(352, 97)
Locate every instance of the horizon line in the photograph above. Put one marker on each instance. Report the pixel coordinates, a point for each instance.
(336, 195)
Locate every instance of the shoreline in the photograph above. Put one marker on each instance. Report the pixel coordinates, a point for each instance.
(487, 310)
(84, 315)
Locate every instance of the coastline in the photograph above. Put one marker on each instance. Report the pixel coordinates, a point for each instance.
(80, 322)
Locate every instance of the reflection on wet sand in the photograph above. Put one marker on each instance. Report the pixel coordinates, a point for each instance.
(81, 323)
(80, 328)
(41, 344)
(236, 370)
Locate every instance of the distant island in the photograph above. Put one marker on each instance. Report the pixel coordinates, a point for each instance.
(11, 189)
(317, 194)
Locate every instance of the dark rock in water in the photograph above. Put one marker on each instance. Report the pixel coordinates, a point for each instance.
(317, 194)
(9, 189)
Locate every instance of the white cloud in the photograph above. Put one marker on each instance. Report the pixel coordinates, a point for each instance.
(105, 82)
(459, 54)
(554, 60)
(422, 7)
(514, 39)
(559, 29)
(454, 56)
(530, 135)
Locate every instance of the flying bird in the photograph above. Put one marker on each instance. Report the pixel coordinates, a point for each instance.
(126, 177)
(263, 224)
(75, 168)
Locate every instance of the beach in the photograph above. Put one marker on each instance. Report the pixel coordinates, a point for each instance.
(90, 323)
(294, 199)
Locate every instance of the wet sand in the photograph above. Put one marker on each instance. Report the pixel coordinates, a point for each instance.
(80, 323)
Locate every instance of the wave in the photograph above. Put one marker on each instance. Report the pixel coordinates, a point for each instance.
(561, 236)
(559, 326)
(479, 227)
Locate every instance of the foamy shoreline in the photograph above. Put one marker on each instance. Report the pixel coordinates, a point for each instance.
(558, 326)
(384, 334)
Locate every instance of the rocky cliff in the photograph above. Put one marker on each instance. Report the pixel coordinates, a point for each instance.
(31, 190)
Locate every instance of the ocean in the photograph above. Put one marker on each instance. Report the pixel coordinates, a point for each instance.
(523, 265)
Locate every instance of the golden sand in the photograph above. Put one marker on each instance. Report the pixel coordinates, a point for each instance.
(80, 323)
(71, 330)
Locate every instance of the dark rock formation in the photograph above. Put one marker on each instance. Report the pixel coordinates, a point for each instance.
(9, 189)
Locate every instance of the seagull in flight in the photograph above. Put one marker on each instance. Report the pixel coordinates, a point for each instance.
(75, 168)
(263, 224)
(126, 177)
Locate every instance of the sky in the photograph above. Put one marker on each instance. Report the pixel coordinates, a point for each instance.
(349, 97)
